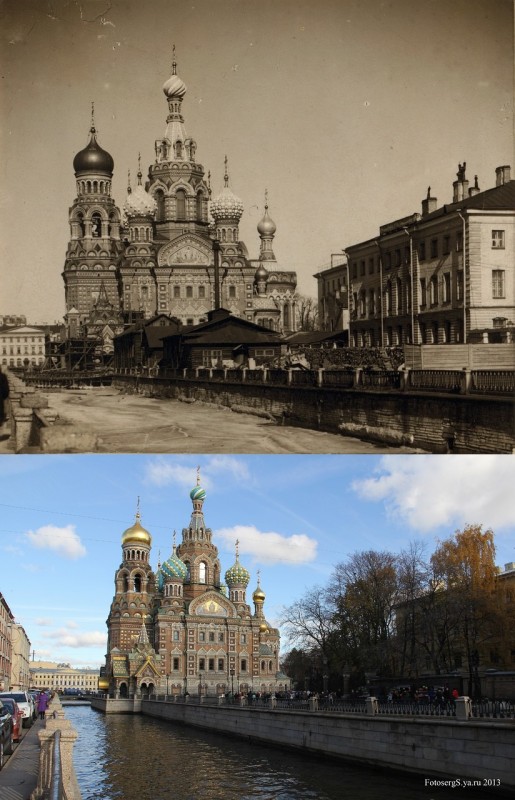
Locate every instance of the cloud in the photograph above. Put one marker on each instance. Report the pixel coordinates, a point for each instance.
(43, 622)
(164, 472)
(64, 541)
(428, 492)
(63, 637)
(269, 547)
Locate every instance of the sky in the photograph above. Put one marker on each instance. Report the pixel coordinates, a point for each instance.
(296, 518)
(344, 110)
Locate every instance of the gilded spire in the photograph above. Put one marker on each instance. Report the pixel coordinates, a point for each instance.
(139, 169)
(129, 190)
(198, 476)
(226, 174)
(92, 116)
(266, 199)
(237, 549)
(138, 515)
(174, 62)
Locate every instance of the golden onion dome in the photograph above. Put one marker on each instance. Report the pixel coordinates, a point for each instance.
(103, 684)
(259, 595)
(263, 627)
(136, 534)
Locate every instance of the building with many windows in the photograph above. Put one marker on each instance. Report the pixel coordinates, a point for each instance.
(333, 295)
(173, 250)
(181, 629)
(63, 677)
(442, 276)
(22, 346)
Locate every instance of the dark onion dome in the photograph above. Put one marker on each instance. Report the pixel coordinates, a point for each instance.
(93, 158)
(266, 226)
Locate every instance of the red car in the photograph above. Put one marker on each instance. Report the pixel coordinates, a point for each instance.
(17, 716)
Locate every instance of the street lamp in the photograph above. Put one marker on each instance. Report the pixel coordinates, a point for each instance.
(231, 672)
(200, 683)
(167, 685)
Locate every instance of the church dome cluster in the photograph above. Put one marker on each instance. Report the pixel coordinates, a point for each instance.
(139, 203)
(173, 567)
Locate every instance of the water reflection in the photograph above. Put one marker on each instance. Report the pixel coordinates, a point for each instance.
(130, 757)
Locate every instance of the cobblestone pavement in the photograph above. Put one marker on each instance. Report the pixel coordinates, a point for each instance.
(128, 423)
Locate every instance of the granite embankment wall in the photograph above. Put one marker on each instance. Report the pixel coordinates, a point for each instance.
(482, 750)
(438, 423)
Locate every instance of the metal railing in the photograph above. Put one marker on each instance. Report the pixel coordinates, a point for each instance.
(486, 709)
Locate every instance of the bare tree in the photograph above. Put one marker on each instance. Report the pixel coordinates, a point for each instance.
(307, 312)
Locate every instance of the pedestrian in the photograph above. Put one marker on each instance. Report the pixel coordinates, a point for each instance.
(42, 704)
(4, 394)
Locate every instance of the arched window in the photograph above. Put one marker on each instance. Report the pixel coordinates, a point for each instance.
(80, 220)
(202, 572)
(433, 290)
(137, 583)
(159, 197)
(199, 207)
(181, 203)
(286, 315)
(96, 226)
(388, 298)
(187, 579)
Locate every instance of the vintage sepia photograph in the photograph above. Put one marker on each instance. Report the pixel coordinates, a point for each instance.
(257, 381)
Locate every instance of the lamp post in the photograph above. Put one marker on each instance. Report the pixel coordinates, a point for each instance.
(167, 685)
(185, 685)
(200, 683)
(231, 672)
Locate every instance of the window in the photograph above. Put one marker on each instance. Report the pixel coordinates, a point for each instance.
(370, 266)
(434, 248)
(361, 267)
(201, 292)
(220, 665)
(498, 283)
(220, 637)
(423, 292)
(189, 291)
(176, 291)
(498, 239)
(211, 636)
(422, 251)
(243, 664)
(354, 270)
(433, 291)
(446, 287)
(181, 204)
(459, 241)
(397, 258)
(243, 638)
(176, 663)
(201, 636)
(232, 291)
(372, 302)
(176, 636)
(201, 664)
(202, 572)
(446, 245)
(211, 663)
(388, 260)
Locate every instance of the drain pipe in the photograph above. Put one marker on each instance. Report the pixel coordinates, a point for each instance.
(464, 251)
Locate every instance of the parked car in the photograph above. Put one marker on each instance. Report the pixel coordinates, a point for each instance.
(17, 716)
(24, 701)
(6, 733)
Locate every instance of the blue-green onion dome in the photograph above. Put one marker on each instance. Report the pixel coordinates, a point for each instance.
(237, 575)
(198, 493)
(173, 567)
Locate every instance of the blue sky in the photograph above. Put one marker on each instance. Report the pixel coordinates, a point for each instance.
(62, 518)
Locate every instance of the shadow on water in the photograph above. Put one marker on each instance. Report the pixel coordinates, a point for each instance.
(129, 757)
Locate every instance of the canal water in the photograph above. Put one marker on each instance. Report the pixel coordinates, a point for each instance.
(135, 757)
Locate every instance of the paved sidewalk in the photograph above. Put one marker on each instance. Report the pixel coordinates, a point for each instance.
(19, 777)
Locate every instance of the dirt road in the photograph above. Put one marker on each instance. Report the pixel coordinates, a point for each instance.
(136, 424)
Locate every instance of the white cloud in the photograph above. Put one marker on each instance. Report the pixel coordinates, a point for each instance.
(269, 547)
(432, 491)
(64, 541)
(43, 622)
(164, 472)
(63, 637)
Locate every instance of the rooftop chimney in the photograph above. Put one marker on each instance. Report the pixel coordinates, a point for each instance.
(461, 185)
(474, 189)
(502, 175)
(429, 204)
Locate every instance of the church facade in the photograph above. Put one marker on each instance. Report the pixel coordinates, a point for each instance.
(158, 256)
(181, 629)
